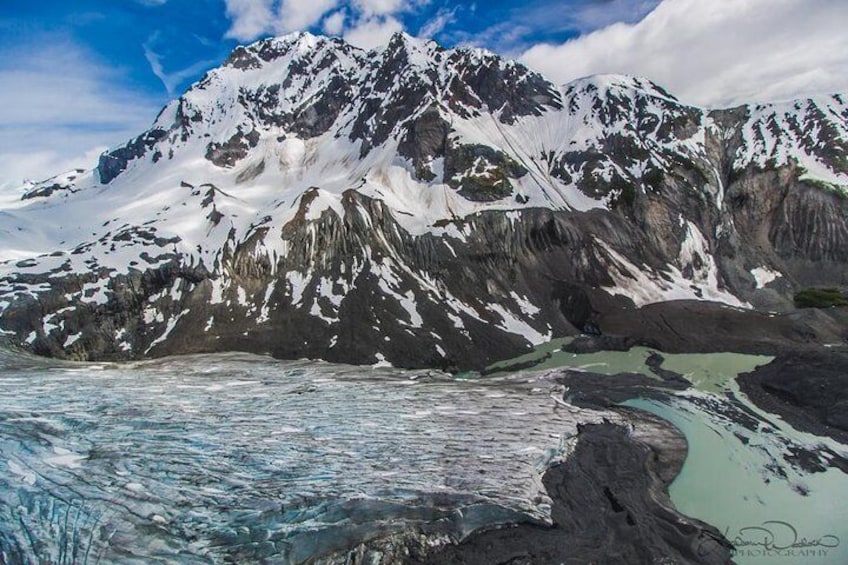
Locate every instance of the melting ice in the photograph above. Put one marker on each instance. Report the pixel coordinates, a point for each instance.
(235, 457)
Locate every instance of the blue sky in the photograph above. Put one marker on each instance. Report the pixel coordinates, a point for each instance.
(161, 46)
(78, 77)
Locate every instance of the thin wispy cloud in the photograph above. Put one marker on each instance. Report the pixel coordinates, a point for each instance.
(591, 15)
(174, 79)
(440, 21)
(521, 26)
(59, 107)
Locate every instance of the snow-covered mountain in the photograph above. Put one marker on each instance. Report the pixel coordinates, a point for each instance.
(421, 206)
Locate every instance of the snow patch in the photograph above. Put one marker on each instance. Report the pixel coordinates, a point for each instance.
(71, 339)
(381, 362)
(644, 286)
(527, 307)
(390, 283)
(297, 284)
(172, 323)
(265, 311)
(513, 324)
(217, 295)
(763, 276)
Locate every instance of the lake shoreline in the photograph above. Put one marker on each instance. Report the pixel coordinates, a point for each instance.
(809, 390)
(610, 501)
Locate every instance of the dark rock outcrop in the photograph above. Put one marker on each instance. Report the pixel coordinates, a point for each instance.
(809, 390)
(609, 506)
(694, 326)
(451, 201)
(58, 184)
(233, 150)
(113, 163)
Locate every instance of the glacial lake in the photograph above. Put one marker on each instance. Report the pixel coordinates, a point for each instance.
(234, 457)
(734, 478)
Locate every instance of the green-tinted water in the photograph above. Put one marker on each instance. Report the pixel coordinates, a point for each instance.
(707, 371)
(711, 372)
(734, 478)
(732, 485)
(604, 362)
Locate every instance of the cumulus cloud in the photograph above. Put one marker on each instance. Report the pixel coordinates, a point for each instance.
(364, 23)
(334, 23)
(249, 18)
(716, 53)
(373, 32)
(294, 15)
(370, 8)
(59, 108)
(253, 18)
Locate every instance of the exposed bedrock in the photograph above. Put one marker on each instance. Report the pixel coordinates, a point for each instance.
(695, 326)
(809, 390)
(357, 287)
(477, 210)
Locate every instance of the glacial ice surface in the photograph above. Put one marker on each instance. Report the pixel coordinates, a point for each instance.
(231, 457)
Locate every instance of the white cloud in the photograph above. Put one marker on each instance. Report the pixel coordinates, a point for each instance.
(442, 18)
(521, 24)
(595, 14)
(253, 18)
(171, 80)
(370, 8)
(372, 33)
(59, 109)
(717, 53)
(295, 15)
(334, 23)
(365, 23)
(250, 18)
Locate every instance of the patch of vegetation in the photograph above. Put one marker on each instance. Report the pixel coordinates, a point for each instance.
(653, 178)
(484, 172)
(627, 196)
(820, 298)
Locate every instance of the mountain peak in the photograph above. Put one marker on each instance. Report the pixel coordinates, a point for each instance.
(296, 44)
(403, 38)
(620, 83)
(415, 51)
(319, 198)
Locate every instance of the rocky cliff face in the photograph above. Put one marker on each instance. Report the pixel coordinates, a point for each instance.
(421, 206)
